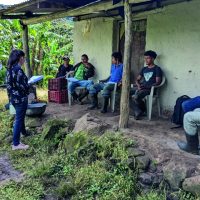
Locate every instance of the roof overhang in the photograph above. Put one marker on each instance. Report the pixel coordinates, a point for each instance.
(36, 11)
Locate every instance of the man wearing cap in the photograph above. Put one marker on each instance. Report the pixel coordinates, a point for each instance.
(64, 68)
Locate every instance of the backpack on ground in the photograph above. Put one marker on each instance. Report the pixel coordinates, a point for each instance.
(177, 117)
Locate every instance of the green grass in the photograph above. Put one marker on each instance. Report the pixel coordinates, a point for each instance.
(73, 166)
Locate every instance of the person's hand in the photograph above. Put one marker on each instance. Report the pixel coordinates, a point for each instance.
(119, 84)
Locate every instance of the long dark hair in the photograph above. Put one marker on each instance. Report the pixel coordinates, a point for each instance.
(14, 57)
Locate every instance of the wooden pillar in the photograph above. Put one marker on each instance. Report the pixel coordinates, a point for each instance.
(26, 50)
(124, 103)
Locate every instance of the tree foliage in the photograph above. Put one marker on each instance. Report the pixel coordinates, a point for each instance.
(48, 42)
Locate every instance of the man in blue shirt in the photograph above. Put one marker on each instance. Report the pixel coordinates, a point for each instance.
(107, 85)
(151, 75)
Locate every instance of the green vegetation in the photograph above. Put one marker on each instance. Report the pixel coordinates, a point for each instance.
(64, 165)
(48, 42)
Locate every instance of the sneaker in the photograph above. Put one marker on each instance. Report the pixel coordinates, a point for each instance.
(20, 146)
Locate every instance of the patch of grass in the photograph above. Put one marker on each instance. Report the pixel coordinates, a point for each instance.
(3, 99)
(76, 166)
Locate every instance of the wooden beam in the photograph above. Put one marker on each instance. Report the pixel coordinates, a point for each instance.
(18, 16)
(125, 93)
(87, 9)
(26, 50)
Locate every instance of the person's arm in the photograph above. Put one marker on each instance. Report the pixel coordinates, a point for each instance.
(158, 77)
(22, 81)
(138, 79)
(90, 71)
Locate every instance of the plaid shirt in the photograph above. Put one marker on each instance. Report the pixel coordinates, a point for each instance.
(17, 85)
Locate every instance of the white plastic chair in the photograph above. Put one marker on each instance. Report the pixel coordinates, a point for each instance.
(154, 94)
(69, 74)
(113, 95)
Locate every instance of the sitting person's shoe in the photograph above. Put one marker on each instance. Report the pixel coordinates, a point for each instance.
(192, 144)
(94, 103)
(105, 105)
(20, 146)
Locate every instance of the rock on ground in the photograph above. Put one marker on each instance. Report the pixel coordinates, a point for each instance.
(176, 172)
(90, 124)
(192, 185)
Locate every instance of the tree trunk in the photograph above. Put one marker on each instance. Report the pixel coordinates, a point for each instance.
(124, 103)
(33, 64)
(26, 51)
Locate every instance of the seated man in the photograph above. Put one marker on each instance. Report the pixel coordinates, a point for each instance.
(82, 72)
(151, 75)
(191, 124)
(64, 68)
(108, 86)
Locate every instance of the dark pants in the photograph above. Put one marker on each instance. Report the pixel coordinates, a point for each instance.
(19, 124)
(106, 87)
(138, 103)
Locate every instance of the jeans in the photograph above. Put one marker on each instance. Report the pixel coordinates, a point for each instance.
(139, 95)
(191, 122)
(106, 87)
(19, 124)
(84, 83)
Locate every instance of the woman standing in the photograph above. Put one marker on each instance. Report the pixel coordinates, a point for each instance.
(18, 89)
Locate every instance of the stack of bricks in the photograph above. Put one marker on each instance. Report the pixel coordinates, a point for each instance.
(57, 90)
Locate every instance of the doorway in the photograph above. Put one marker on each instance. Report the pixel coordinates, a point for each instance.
(138, 46)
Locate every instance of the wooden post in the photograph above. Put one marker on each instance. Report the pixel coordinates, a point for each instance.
(26, 50)
(124, 103)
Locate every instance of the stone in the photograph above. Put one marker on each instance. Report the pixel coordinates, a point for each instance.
(131, 163)
(192, 185)
(146, 179)
(135, 152)
(53, 126)
(115, 128)
(143, 162)
(90, 124)
(175, 173)
(157, 179)
(33, 122)
(151, 179)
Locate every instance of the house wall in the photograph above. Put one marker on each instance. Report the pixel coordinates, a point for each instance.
(174, 34)
(95, 38)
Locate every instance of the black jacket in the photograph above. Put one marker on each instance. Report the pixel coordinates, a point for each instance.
(88, 73)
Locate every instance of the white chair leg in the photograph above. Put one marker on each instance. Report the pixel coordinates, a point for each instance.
(158, 105)
(112, 102)
(69, 98)
(150, 104)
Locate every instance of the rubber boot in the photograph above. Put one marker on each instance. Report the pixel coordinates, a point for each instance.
(137, 111)
(74, 95)
(82, 96)
(192, 144)
(105, 105)
(94, 102)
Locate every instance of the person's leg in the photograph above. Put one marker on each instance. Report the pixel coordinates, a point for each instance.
(18, 125)
(71, 87)
(87, 84)
(23, 129)
(139, 105)
(191, 123)
(93, 92)
(108, 88)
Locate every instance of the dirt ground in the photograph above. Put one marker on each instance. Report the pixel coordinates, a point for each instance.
(155, 137)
